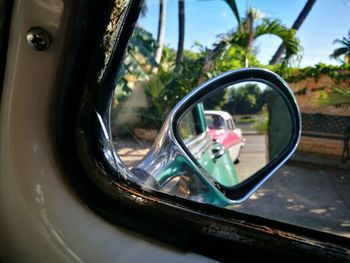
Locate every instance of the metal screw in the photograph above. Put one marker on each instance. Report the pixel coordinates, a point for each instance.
(38, 38)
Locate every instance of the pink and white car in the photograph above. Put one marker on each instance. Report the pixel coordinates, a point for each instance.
(222, 129)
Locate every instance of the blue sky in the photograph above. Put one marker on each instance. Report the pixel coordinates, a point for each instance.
(205, 19)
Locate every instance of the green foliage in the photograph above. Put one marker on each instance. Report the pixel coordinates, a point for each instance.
(294, 75)
(254, 25)
(165, 87)
(245, 99)
(216, 101)
(169, 85)
(229, 57)
(262, 121)
(276, 28)
(339, 97)
(261, 126)
(247, 119)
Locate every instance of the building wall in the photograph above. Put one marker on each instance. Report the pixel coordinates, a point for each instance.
(321, 146)
(307, 102)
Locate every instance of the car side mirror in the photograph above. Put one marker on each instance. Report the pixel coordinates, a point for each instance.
(224, 165)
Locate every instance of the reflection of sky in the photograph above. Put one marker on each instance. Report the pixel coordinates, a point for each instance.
(262, 86)
(205, 19)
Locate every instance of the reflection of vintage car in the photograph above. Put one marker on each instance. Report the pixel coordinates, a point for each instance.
(177, 177)
(212, 156)
(223, 130)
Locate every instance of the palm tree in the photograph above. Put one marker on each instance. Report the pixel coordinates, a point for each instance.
(298, 22)
(180, 47)
(233, 6)
(219, 46)
(161, 32)
(247, 32)
(344, 50)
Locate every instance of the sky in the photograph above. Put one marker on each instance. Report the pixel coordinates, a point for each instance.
(206, 19)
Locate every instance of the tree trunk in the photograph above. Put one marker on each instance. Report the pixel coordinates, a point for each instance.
(161, 32)
(298, 22)
(207, 63)
(180, 47)
(250, 39)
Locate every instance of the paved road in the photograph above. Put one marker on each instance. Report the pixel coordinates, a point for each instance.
(252, 157)
(313, 196)
(131, 151)
(305, 195)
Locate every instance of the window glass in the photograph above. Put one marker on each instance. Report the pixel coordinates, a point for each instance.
(232, 124)
(228, 125)
(170, 54)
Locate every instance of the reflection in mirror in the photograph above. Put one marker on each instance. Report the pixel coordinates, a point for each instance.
(236, 131)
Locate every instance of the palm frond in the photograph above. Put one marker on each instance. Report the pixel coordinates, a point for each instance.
(342, 41)
(339, 52)
(287, 35)
(232, 4)
(344, 50)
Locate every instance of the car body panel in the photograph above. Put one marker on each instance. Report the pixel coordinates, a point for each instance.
(222, 168)
(42, 217)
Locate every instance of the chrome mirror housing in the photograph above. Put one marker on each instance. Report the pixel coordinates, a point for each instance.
(176, 165)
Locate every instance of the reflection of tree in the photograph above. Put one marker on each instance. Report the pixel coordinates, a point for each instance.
(245, 99)
(261, 124)
(216, 101)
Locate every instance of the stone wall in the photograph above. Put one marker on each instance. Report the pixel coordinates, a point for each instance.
(307, 94)
(308, 101)
(321, 146)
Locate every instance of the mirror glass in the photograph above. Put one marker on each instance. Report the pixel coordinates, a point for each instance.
(235, 131)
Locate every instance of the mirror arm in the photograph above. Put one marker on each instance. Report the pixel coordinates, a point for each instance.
(217, 153)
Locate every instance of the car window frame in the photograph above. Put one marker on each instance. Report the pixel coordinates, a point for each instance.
(6, 14)
(175, 221)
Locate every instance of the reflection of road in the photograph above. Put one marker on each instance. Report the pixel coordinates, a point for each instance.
(305, 195)
(253, 156)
